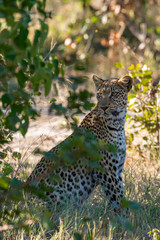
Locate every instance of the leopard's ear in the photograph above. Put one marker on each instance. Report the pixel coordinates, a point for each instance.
(97, 81)
(126, 81)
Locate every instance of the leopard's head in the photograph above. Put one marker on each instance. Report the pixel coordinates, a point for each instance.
(112, 95)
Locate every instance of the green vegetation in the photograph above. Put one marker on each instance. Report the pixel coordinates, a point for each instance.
(46, 46)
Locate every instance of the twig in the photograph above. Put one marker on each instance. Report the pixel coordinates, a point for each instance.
(131, 51)
(139, 35)
(121, 30)
(51, 49)
(89, 42)
(7, 109)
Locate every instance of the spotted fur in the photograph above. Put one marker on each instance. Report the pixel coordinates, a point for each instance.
(106, 121)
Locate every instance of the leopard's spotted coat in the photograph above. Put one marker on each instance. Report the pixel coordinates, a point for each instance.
(106, 121)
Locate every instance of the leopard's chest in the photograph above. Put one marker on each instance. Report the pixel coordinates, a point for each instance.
(110, 136)
(113, 156)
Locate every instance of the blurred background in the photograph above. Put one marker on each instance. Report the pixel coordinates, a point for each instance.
(92, 35)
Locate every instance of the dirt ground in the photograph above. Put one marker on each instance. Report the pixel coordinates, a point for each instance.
(45, 132)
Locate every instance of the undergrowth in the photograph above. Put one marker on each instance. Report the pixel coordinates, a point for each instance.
(92, 221)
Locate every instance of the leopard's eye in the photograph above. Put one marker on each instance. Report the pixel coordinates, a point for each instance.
(114, 93)
(99, 95)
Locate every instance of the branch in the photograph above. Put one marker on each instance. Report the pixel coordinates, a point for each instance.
(4, 114)
(139, 35)
(121, 30)
(89, 42)
(51, 49)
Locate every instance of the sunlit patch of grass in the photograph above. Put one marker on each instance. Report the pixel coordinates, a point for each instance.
(91, 220)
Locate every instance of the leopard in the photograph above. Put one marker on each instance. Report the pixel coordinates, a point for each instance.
(106, 121)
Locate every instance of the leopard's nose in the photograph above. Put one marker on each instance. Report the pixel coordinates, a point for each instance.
(104, 108)
(115, 113)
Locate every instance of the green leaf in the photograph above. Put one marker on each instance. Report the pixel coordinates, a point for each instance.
(80, 66)
(4, 34)
(24, 123)
(46, 221)
(118, 65)
(56, 66)
(87, 105)
(16, 183)
(47, 85)
(16, 155)
(145, 138)
(145, 81)
(78, 39)
(7, 99)
(131, 96)
(62, 69)
(77, 236)
(7, 169)
(52, 100)
(131, 67)
(21, 39)
(87, 219)
(22, 78)
(145, 89)
(4, 183)
(131, 137)
(134, 205)
(15, 195)
(112, 148)
(157, 30)
(128, 226)
(129, 204)
(44, 33)
(58, 107)
(3, 155)
(94, 19)
(137, 67)
(36, 41)
(38, 93)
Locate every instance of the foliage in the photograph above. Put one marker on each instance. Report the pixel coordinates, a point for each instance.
(144, 95)
(22, 62)
(155, 233)
(143, 106)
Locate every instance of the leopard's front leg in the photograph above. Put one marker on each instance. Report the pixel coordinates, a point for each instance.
(114, 191)
(113, 188)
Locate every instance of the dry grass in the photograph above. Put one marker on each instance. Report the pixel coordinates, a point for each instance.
(142, 185)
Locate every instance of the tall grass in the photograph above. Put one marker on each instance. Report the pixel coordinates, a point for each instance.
(92, 221)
